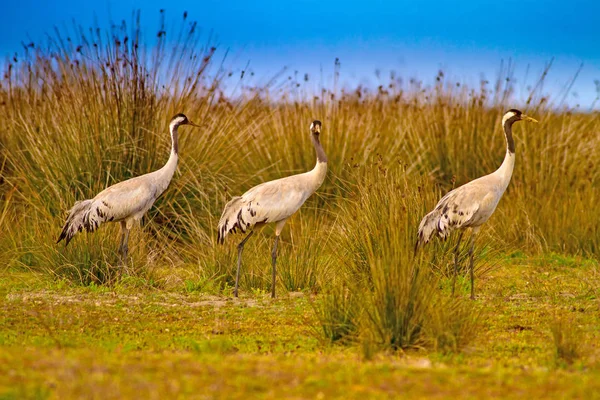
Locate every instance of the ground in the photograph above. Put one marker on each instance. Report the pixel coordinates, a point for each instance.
(63, 341)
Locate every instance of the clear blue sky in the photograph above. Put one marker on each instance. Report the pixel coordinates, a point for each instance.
(415, 38)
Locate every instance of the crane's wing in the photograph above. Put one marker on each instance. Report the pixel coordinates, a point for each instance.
(268, 202)
(120, 201)
(276, 200)
(126, 199)
(468, 205)
(456, 210)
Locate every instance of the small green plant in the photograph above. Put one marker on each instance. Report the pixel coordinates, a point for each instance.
(258, 292)
(227, 290)
(203, 284)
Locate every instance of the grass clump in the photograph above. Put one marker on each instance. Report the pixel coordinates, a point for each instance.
(401, 306)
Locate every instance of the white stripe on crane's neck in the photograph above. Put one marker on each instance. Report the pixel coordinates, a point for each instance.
(166, 172)
(506, 169)
(173, 130)
(319, 172)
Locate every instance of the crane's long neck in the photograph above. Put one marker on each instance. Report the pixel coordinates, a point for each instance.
(320, 170)
(166, 172)
(506, 169)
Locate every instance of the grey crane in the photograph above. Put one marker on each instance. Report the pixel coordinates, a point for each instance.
(125, 202)
(472, 204)
(272, 202)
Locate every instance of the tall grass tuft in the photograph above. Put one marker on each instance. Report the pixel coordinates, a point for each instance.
(398, 294)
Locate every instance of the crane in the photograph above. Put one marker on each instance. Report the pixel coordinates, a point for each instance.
(125, 202)
(272, 202)
(472, 204)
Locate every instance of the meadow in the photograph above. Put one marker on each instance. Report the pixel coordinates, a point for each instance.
(357, 314)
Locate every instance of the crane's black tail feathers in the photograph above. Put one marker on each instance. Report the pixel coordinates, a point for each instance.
(231, 220)
(81, 216)
(428, 227)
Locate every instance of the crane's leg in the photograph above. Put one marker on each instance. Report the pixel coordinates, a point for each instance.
(123, 228)
(278, 229)
(471, 268)
(239, 263)
(274, 262)
(456, 261)
(124, 240)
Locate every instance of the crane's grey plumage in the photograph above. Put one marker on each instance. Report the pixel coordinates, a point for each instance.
(471, 205)
(272, 202)
(125, 202)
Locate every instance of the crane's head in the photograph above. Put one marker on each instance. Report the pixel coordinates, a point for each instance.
(315, 127)
(514, 115)
(181, 119)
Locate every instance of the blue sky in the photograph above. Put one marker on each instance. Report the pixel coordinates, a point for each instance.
(416, 39)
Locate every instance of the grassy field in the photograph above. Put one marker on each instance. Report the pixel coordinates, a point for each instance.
(64, 341)
(358, 315)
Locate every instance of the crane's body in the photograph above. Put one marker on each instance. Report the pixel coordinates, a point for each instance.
(125, 202)
(472, 204)
(272, 202)
(468, 206)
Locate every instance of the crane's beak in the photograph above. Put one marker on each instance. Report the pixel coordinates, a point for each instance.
(193, 124)
(528, 118)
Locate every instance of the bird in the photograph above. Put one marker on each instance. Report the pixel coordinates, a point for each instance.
(472, 204)
(272, 202)
(125, 202)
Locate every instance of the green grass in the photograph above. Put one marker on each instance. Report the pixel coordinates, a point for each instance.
(59, 340)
